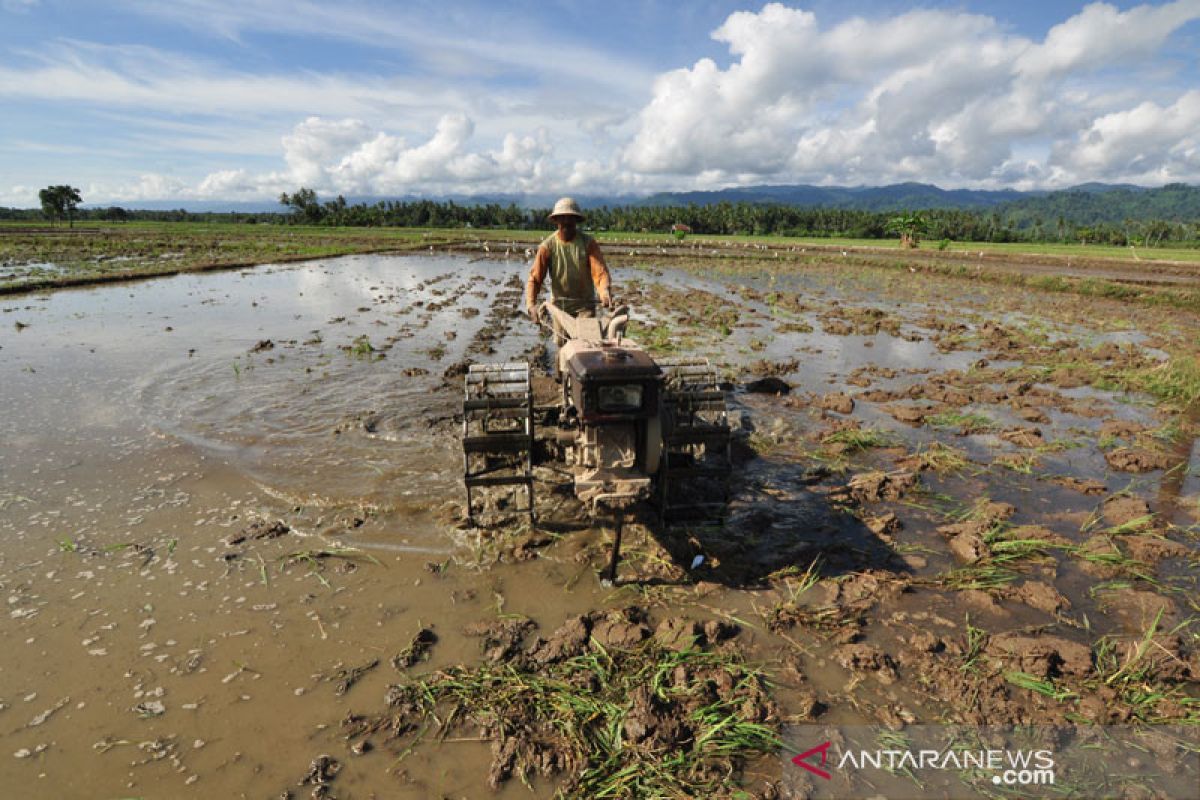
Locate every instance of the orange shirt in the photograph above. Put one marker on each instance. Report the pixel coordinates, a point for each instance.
(541, 267)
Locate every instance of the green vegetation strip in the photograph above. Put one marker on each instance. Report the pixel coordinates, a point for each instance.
(646, 722)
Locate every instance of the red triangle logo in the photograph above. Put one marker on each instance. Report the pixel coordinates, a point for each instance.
(802, 760)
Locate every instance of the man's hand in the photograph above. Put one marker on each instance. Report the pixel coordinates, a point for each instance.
(606, 300)
(532, 311)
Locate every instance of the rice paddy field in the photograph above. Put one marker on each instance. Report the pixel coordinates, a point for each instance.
(236, 564)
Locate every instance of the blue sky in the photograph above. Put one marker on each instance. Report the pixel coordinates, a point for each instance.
(135, 100)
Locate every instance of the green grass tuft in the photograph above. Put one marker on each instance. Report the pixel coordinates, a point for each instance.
(586, 717)
(859, 438)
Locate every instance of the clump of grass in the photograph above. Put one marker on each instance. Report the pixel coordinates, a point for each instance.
(976, 639)
(1176, 380)
(982, 576)
(1039, 685)
(827, 619)
(1023, 464)
(965, 422)
(656, 338)
(807, 578)
(1117, 560)
(855, 439)
(1010, 550)
(361, 347)
(1132, 525)
(1135, 667)
(939, 457)
(1135, 679)
(644, 722)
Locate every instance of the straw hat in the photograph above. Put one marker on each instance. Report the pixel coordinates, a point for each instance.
(566, 207)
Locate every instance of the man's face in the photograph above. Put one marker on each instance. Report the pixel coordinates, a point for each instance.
(566, 226)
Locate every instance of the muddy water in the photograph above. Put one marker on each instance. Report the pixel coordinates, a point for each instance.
(148, 425)
(140, 430)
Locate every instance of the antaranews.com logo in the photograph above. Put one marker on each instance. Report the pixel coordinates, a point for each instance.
(921, 761)
(1010, 767)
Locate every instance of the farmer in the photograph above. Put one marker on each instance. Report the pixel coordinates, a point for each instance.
(576, 267)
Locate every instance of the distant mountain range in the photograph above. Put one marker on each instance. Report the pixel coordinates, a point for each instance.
(895, 197)
(1083, 204)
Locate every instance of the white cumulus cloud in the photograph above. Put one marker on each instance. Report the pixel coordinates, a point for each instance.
(346, 156)
(1149, 143)
(934, 96)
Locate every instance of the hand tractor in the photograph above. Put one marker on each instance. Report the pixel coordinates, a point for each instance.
(630, 429)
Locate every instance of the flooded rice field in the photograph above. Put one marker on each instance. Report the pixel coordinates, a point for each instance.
(235, 563)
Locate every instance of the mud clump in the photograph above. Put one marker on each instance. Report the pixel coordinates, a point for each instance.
(872, 487)
(1041, 596)
(967, 539)
(600, 718)
(911, 414)
(1137, 609)
(321, 773)
(941, 393)
(767, 369)
(1152, 549)
(1032, 414)
(885, 525)
(837, 327)
(527, 546)
(1023, 437)
(1100, 556)
(861, 657)
(624, 628)
(1081, 485)
(416, 650)
(1041, 656)
(344, 679)
(840, 402)
(1120, 429)
(568, 641)
(455, 370)
(502, 639)
(969, 547)
(1136, 459)
(258, 530)
(1126, 510)
(677, 633)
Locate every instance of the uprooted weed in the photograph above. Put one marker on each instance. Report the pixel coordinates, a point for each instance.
(642, 722)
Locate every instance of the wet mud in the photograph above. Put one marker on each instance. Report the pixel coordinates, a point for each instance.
(235, 560)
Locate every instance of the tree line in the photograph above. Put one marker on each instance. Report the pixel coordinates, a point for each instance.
(1024, 223)
(727, 218)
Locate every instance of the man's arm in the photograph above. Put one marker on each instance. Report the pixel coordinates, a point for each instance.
(600, 277)
(537, 275)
